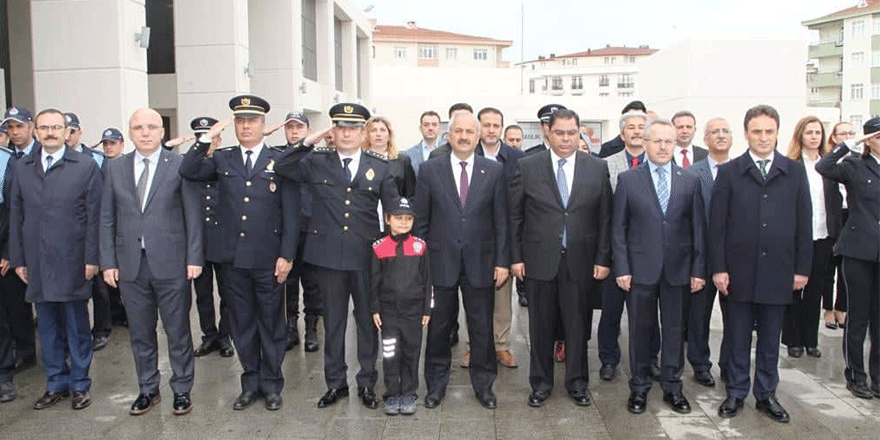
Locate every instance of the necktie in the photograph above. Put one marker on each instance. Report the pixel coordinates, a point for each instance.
(142, 183)
(48, 163)
(635, 162)
(684, 158)
(662, 189)
(562, 183)
(345, 163)
(18, 154)
(248, 165)
(763, 167)
(463, 184)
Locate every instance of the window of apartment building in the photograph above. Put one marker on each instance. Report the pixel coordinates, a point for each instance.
(557, 83)
(603, 80)
(531, 87)
(428, 52)
(577, 83)
(569, 61)
(452, 54)
(856, 92)
(855, 120)
(399, 52)
(609, 60)
(858, 59)
(624, 81)
(876, 25)
(481, 54)
(858, 28)
(624, 94)
(875, 58)
(603, 94)
(544, 86)
(875, 91)
(632, 59)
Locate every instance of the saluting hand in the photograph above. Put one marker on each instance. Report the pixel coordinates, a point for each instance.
(22, 273)
(721, 280)
(282, 268)
(179, 141)
(313, 138)
(218, 128)
(272, 129)
(193, 272)
(91, 271)
(111, 276)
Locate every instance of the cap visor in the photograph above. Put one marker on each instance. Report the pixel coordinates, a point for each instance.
(349, 123)
(248, 114)
(15, 118)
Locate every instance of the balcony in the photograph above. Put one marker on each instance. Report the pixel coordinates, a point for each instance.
(827, 49)
(626, 85)
(827, 79)
(875, 106)
(820, 102)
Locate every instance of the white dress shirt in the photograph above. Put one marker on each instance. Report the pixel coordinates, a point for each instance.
(490, 155)
(568, 168)
(713, 166)
(426, 150)
(876, 157)
(56, 156)
(456, 170)
(353, 165)
(679, 156)
(256, 153)
(817, 198)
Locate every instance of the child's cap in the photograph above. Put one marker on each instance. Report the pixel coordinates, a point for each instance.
(401, 207)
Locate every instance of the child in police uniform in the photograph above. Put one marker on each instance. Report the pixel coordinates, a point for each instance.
(401, 305)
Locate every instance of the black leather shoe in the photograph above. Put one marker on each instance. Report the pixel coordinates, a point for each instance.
(638, 401)
(607, 372)
(730, 407)
(677, 402)
(860, 390)
(487, 399)
(331, 396)
(432, 401)
(771, 407)
(144, 402)
(537, 398)
(368, 397)
(580, 397)
(206, 348)
(226, 349)
(292, 337)
(245, 399)
(80, 400)
(795, 352)
(99, 343)
(655, 373)
(182, 404)
(50, 398)
(814, 352)
(704, 378)
(274, 401)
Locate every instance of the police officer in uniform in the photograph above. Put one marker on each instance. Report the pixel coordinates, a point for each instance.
(347, 185)
(74, 134)
(258, 212)
(544, 116)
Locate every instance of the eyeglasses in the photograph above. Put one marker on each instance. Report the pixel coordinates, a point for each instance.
(561, 133)
(667, 142)
(45, 128)
(845, 133)
(718, 131)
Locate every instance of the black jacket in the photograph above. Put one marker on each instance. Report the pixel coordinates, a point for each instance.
(400, 276)
(613, 146)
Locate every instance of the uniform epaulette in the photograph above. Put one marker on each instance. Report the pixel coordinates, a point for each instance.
(379, 156)
(224, 149)
(94, 151)
(278, 149)
(324, 149)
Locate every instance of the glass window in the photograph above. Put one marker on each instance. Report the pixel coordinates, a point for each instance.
(856, 92)
(858, 28)
(399, 52)
(481, 54)
(427, 51)
(452, 54)
(557, 83)
(577, 83)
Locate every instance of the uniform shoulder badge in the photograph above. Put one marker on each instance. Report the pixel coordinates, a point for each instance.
(224, 149)
(376, 155)
(379, 241)
(418, 245)
(324, 149)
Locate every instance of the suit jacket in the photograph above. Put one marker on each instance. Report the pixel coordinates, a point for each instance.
(650, 244)
(415, 156)
(860, 236)
(475, 237)
(538, 217)
(507, 157)
(761, 229)
(170, 225)
(258, 211)
(613, 146)
(536, 149)
(616, 164)
(700, 153)
(344, 220)
(443, 150)
(53, 228)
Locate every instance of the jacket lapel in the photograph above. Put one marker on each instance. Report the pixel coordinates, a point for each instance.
(580, 170)
(363, 166)
(237, 162)
(158, 177)
(645, 171)
(674, 186)
(477, 179)
(873, 165)
(449, 180)
(261, 162)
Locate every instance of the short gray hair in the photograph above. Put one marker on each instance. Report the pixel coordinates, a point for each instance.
(632, 114)
(658, 121)
(717, 119)
(467, 115)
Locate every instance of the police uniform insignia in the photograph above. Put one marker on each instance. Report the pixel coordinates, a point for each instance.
(203, 122)
(271, 165)
(418, 246)
(370, 174)
(348, 109)
(108, 133)
(67, 118)
(13, 111)
(272, 187)
(245, 101)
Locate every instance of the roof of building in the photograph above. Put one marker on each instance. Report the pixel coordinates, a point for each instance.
(603, 52)
(412, 33)
(852, 11)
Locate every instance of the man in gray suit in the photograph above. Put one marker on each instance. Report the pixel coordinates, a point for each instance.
(151, 245)
(429, 125)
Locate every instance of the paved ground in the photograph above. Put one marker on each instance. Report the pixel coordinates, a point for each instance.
(812, 390)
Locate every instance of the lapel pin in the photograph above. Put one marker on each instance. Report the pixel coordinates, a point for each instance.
(271, 165)
(370, 174)
(482, 171)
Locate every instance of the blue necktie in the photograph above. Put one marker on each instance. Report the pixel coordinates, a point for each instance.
(763, 167)
(345, 163)
(662, 189)
(562, 183)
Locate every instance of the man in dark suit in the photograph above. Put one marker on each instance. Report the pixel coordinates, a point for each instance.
(259, 229)
(616, 145)
(560, 203)
(53, 246)
(659, 256)
(8, 392)
(20, 126)
(718, 138)
(151, 246)
(444, 148)
(544, 116)
(686, 153)
(347, 185)
(761, 225)
(461, 211)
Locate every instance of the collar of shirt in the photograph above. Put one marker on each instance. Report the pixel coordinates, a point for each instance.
(56, 156)
(355, 161)
(154, 158)
(256, 153)
(456, 162)
(666, 167)
(755, 159)
(629, 158)
(876, 157)
(27, 149)
(713, 165)
(689, 149)
(568, 167)
(489, 155)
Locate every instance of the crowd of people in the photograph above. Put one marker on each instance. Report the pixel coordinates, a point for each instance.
(648, 222)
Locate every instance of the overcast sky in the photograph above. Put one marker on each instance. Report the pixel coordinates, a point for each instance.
(566, 26)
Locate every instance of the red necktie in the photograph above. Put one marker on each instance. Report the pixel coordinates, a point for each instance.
(635, 162)
(684, 158)
(463, 184)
